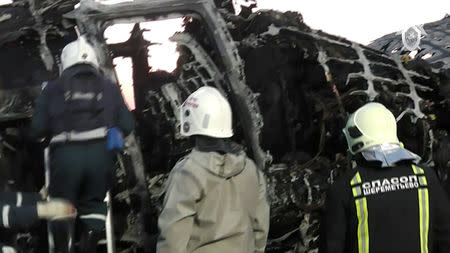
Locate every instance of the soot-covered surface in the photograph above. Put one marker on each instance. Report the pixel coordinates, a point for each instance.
(290, 87)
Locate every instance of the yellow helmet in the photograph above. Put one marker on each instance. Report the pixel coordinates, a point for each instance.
(372, 124)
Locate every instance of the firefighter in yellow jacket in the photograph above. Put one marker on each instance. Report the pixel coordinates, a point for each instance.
(216, 197)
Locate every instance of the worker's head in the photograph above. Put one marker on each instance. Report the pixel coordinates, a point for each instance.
(370, 125)
(206, 112)
(78, 52)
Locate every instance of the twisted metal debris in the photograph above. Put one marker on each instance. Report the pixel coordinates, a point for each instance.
(291, 89)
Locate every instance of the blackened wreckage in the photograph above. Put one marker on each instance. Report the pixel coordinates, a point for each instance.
(291, 88)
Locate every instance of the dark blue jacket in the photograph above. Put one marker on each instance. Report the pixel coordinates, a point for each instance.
(81, 99)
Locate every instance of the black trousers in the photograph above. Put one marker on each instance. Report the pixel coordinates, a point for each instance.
(81, 173)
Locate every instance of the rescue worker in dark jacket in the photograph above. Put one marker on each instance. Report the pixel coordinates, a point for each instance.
(388, 203)
(77, 112)
(216, 197)
(22, 210)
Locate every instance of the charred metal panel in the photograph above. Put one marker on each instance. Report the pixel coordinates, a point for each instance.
(93, 17)
(434, 46)
(27, 45)
(290, 87)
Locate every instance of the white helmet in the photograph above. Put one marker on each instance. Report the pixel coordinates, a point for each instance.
(76, 52)
(370, 125)
(206, 112)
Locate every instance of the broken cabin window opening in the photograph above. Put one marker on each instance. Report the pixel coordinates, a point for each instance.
(117, 33)
(238, 4)
(163, 38)
(5, 2)
(167, 52)
(123, 68)
(159, 83)
(302, 123)
(162, 52)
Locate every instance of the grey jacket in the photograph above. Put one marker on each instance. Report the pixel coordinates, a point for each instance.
(214, 204)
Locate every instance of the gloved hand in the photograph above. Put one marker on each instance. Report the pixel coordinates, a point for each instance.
(8, 249)
(114, 140)
(55, 209)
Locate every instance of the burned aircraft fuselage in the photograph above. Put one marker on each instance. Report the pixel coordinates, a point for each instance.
(290, 87)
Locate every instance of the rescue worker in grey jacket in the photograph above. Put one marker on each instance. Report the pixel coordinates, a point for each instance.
(216, 197)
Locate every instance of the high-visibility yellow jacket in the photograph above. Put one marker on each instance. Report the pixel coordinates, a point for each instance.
(214, 203)
(400, 209)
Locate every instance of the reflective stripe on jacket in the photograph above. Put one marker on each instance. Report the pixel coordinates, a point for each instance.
(378, 210)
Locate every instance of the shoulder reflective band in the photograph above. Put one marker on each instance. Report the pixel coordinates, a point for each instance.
(424, 214)
(5, 216)
(19, 199)
(361, 211)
